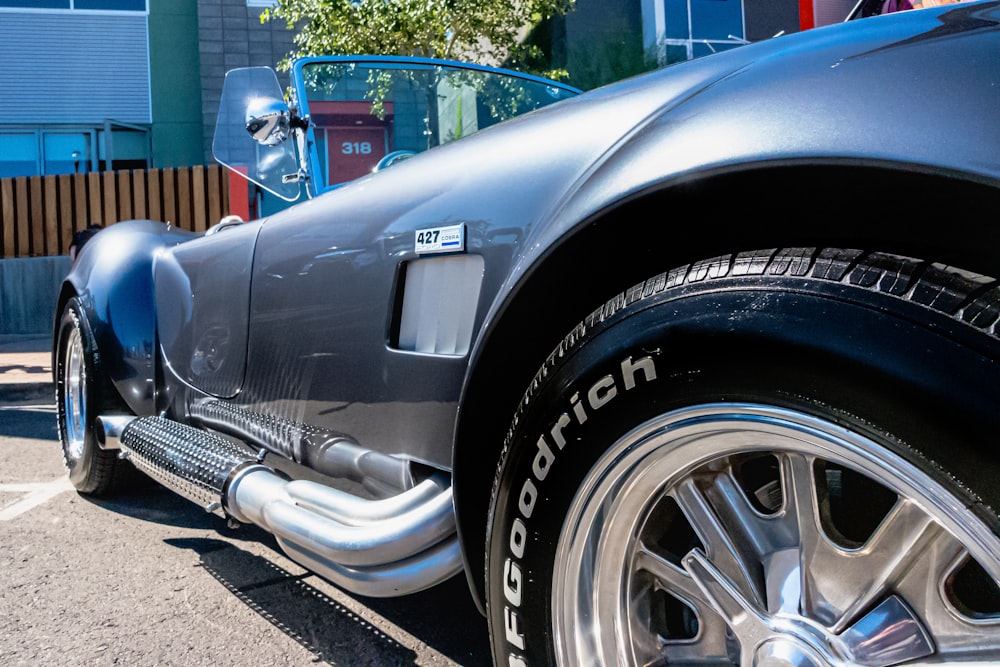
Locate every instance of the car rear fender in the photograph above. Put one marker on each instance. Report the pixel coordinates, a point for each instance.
(113, 279)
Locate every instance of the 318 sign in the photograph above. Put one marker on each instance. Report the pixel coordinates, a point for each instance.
(356, 148)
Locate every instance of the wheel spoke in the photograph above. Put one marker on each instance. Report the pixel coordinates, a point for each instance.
(670, 577)
(731, 555)
(883, 560)
(799, 484)
(956, 635)
(740, 614)
(710, 641)
(763, 534)
(865, 575)
(801, 503)
(838, 584)
(830, 577)
(890, 634)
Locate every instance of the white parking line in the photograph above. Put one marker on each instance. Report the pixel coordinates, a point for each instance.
(38, 494)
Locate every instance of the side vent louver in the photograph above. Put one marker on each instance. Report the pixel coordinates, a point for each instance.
(439, 300)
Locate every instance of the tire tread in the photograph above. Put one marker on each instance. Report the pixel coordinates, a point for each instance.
(968, 298)
(107, 474)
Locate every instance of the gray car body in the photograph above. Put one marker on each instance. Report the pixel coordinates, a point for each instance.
(291, 316)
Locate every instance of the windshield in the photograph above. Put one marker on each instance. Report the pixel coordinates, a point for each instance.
(233, 147)
(367, 114)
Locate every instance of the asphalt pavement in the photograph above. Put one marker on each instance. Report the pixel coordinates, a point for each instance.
(193, 591)
(144, 577)
(25, 367)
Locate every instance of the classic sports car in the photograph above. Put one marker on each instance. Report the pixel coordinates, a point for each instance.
(699, 367)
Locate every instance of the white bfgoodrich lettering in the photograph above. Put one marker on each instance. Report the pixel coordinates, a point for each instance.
(557, 429)
(526, 502)
(599, 394)
(578, 410)
(512, 625)
(512, 582)
(543, 460)
(518, 538)
(629, 369)
(602, 392)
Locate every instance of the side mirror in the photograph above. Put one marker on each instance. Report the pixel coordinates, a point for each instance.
(268, 121)
(252, 132)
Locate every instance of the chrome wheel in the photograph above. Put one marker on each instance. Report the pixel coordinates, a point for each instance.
(752, 535)
(75, 396)
(82, 392)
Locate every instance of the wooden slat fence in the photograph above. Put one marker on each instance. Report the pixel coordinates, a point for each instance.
(39, 214)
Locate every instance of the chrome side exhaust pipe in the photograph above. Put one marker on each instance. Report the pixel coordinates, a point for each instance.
(380, 548)
(109, 430)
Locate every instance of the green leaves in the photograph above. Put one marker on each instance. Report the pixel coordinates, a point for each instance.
(481, 31)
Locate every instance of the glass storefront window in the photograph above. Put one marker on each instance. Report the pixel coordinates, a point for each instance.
(18, 154)
(36, 151)
(106, 5)
(67, 153)
(696, 28)
(114, 5)
(716, 19)
(36, 4)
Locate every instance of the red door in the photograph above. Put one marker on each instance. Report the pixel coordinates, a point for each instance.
(354, 151)
(356, 138)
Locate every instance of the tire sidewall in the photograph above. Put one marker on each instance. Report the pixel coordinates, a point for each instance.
(808, 349)
(80, 469)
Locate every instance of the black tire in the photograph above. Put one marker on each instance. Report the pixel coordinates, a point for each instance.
(762, 457)
(83, 392)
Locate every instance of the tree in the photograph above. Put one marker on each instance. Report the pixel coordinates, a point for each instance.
(482, 31)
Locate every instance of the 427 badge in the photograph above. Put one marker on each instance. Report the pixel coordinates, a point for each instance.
(440, 239)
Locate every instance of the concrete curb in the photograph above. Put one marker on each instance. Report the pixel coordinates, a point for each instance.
(25, 373)
(26, 391)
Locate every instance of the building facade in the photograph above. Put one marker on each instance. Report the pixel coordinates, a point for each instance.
(601, 41)
(96, 85)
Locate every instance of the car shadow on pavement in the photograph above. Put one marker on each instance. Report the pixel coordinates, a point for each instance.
(147, 500)
(335, 633)
(34, 422)
(444, 617)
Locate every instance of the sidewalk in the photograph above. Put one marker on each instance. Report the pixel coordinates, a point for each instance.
(25, 368)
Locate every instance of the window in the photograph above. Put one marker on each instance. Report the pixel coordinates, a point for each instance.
(69, 153)
(688, 29)
(72, 150)
(104, 5)
(115, 5)
(37, 4)
(18, 154)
